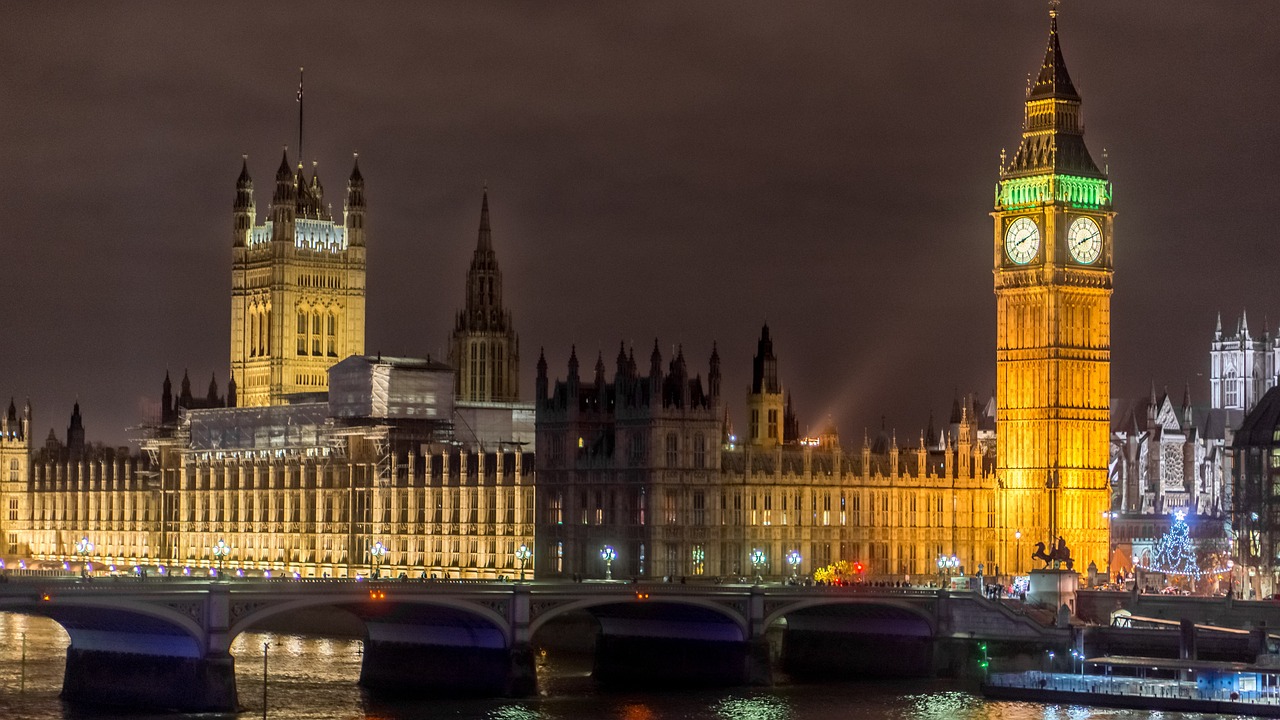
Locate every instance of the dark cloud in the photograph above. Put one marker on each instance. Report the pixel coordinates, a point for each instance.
(679, 170)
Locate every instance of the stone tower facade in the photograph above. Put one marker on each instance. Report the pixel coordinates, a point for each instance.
(485, 349)
(766, 409)
(1053, 282)
(15, 459)
(298, 286)
(1242, 366)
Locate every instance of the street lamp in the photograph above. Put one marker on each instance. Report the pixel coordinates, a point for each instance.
(523, 553)
(377, 552)
(608, 554)
(947, 564)
(83, 549)
(220, 552)
(793, 559)
(757, 562)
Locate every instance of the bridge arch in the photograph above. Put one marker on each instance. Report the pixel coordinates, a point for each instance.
(345, 601)
(104, 623)
(738, 621)
(834, 601)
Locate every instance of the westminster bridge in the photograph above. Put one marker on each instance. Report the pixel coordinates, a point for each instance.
(165, 643)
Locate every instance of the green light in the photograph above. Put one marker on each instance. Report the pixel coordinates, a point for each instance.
(1021, 193)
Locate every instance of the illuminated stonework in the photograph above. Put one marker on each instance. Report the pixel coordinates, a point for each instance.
(1053, 347)
(298, 285)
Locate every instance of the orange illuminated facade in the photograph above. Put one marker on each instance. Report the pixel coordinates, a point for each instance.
(1053, 281)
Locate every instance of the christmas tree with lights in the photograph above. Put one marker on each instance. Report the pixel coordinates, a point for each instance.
(1175, 554)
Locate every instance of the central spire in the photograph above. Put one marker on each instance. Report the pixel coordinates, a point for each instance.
(485, 240)
(1053, 129)
(1053, 80)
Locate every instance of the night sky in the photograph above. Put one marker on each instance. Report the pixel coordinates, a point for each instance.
(685, 171)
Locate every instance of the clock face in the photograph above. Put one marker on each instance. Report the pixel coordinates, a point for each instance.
(1084, 240)
(1022, 240)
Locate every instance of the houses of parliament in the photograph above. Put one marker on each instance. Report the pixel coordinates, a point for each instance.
(319, 459)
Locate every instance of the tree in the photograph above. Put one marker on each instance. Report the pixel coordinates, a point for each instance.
(1175, 553)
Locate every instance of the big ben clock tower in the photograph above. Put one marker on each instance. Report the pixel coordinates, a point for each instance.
(1053, 280)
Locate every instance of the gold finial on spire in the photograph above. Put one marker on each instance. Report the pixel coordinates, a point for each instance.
(1003, 159)
(1053, 8)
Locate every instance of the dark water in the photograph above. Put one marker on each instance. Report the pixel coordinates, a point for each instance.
(315, 678)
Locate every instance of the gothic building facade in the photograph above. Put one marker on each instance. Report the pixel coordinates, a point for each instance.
(637, 463)
(316, 454)
(298, 286)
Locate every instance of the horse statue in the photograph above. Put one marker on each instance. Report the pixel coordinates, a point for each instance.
(1060, 554)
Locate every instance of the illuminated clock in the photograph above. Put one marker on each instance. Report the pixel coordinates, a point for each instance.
(1022, 240)
(1084, 240)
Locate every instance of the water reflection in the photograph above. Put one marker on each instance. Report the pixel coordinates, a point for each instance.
(315, 679)
(756, 708)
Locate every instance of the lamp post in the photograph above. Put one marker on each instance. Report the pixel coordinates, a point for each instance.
(83, 549)
(757, 562)
(793, 559)
(377, 552)
(523, 553)
(220, 552)
(947, 564)
(608, 554)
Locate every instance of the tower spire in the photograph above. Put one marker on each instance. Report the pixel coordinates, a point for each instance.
(485, 240)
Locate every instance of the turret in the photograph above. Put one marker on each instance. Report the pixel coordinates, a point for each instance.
(231, 391)
(540, 385)
(244, 211)
(75, 434)
(713, 376)
(9, 423)
(212, 396)
(620, 371)
(572, 379)
(284, 203)
(317, 192)
(184, 399)
(166, 400)
(355, 205)
(765, 410)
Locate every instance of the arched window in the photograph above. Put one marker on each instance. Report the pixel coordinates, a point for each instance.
(699, 451)
(1231, 388)
(332, 336)
(302, 333)
(316, 331)
(673, 449)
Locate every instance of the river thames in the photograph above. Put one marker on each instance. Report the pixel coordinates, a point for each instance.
(315, 678)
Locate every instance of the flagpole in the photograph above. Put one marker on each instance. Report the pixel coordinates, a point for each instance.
(300, 158)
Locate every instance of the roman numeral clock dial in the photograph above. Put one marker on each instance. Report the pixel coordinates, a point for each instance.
(1022, 240)
(1084, 240)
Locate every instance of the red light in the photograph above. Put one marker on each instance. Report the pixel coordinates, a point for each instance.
(642, 596)
(857, 567)
(44, 597)
(377, 595)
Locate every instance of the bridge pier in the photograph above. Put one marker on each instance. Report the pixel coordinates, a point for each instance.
(96, 677)
(522, 672)
(401, 668)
